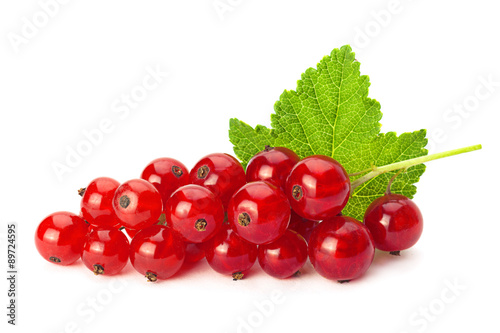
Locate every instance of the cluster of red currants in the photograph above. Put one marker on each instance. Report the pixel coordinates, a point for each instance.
(281, 211)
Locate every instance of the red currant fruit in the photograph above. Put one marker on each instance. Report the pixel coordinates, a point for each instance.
(167, 175)
(395, 222)
(341, 248)
(259, 212)
(105, 251)
(157, 252)
(137, 204)
(97, 202)
(195, 213)
(302, 226)
(60, 236)
(318, 187)
(285, 256)
(272, 164)
(220, 173)
(229, 254)
(194, 252)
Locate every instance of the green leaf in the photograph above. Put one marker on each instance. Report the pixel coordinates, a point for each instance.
(387, 149)
(330, 114)
(248, 141)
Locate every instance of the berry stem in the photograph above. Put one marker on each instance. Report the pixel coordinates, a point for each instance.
(388, 190)
(361, 172)
(377, 171)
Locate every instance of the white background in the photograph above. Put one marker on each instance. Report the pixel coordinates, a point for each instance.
(426, 60)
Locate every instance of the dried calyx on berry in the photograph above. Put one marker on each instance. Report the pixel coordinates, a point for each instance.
(151, 277)
(98, 269)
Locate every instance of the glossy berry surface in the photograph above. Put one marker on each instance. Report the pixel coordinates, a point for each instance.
(157, 252)
(105, 251)
(285, 256)
(259, 212)
(229, 254)
(318, 187)
(273, 164)
(194, 252)
(137, 203)
(167, 175)
(302, 226)
(97, 202)
(220, 173)
(60, 236)
(341, 248)
(195, 213)
(394, 221)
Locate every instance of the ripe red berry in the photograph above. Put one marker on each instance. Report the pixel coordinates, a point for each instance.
(220, 173)
(273, 164)
(395, 222)
(137, 204)
(194, 252)
(105, 251)
(285, 256)
(302, 226)
(157, 252)
(60, 236)
(229, 254)
(259, 212)
(97, 202)
(318, 187)
(195, 213)
(341, 248)
(167, 175)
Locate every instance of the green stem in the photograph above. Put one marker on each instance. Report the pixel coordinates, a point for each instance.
(377, 171)
(360, 172)
(388, 189)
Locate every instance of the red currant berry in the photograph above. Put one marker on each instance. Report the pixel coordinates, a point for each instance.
(105, 251)
(272, 164)
(341, 248)
(229, 254)
(167, 175)
(220, 173)
(285, 256)
(97, 202)
(157, 252)
(318, 187)
(194, 252)
(195, 213)
(259, 212)
(137, 204)
(60, 236)
(302, 226)
(395, 222)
